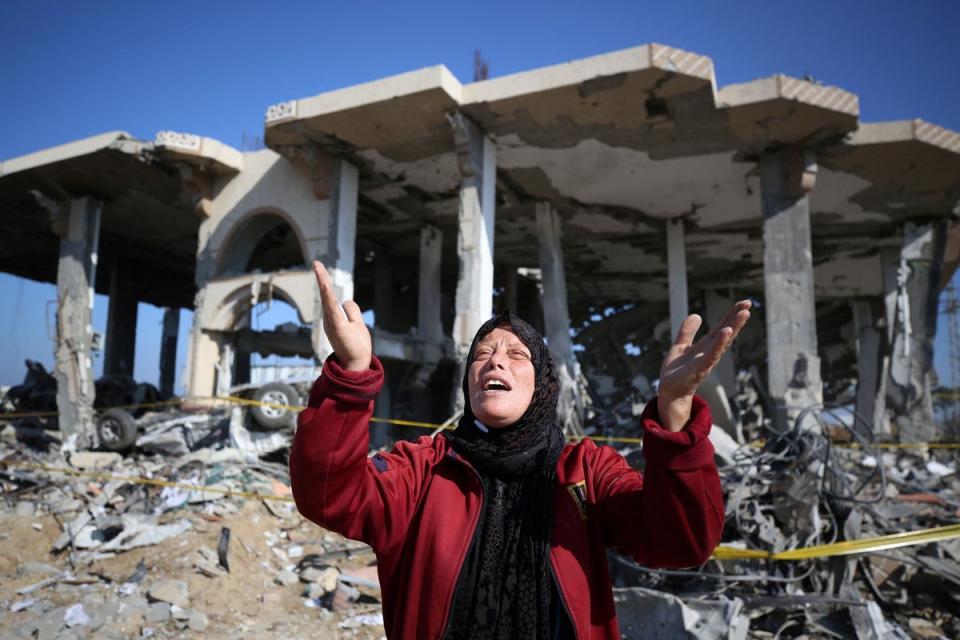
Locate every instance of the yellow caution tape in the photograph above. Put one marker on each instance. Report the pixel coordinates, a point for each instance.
(845, 548)
(103, 475)
(51, 414)
(430, 425)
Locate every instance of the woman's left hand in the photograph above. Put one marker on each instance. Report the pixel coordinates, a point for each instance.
(687, 364)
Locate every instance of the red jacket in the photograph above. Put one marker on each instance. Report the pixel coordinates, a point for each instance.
(418, 505)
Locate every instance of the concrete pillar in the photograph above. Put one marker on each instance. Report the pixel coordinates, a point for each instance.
(476, 158)
(78, 225)
(677, 275)
(168, 350)
(478, 170)
(786, 176)
(341, 244)
(914, 328)
(429, 321)
(870, 402)
(556, 316)
(121, 340)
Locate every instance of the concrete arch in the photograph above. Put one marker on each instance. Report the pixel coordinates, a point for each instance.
(237, 238)
(226, 302)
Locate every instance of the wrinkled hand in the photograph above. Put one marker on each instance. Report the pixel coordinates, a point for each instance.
(344, 327)
(687, 364)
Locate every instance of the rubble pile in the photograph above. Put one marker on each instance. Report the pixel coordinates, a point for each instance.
(194, 534)
(818, 483)
(119, 547)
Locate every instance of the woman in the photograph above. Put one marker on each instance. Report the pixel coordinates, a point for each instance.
(499, 529)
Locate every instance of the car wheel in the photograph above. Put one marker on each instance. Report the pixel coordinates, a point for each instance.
(116, 430)
(277, 412)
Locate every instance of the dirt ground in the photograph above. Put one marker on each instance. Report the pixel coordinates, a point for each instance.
(247, 602)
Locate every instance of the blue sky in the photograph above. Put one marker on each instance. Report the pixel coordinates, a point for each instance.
(74, 69)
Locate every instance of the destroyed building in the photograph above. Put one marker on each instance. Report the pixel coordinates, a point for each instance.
(597, 197)
(602, 199)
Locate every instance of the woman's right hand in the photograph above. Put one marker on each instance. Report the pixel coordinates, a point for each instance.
(345, 330)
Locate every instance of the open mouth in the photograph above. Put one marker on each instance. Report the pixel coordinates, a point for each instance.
(495, 384)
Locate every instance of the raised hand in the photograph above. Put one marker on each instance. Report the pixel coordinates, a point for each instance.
(345, 330)
(687, 364)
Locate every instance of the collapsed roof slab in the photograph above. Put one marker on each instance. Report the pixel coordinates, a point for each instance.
(781, 110)
(622, 98)
(403, 116)
(912, 167)
(199, 152)
(147, 223)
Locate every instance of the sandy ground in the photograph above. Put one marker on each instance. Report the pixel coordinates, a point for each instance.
(247, 602)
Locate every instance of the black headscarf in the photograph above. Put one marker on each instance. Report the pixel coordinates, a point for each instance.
(505, 588)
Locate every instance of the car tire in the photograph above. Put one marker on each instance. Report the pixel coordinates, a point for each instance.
(116, 430)
(270, 416)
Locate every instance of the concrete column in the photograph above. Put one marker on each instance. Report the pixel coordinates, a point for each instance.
(677, 275)
(556, 317)
(476, 157)
(914, 328)
(870, 403)
(78, 225)
(429, 320)
(121, 341)
(786, 177)
(341, 244)
(168, 350)
(478, 170)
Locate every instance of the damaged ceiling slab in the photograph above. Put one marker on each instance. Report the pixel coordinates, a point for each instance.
(619, 143)
(149, 223)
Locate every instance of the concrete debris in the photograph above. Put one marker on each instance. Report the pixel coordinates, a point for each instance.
(647, 613)
(75, 616)
(136, 558)
(128, 558)
(807, 487)
(286, 578)
(174, 592)
(87, 460)
(326, 578)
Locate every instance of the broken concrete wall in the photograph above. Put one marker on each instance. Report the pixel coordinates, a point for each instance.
(272, 195)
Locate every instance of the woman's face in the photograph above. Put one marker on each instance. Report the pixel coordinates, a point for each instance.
(501, 379)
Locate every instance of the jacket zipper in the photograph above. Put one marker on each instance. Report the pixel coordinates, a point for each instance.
(473, 530)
